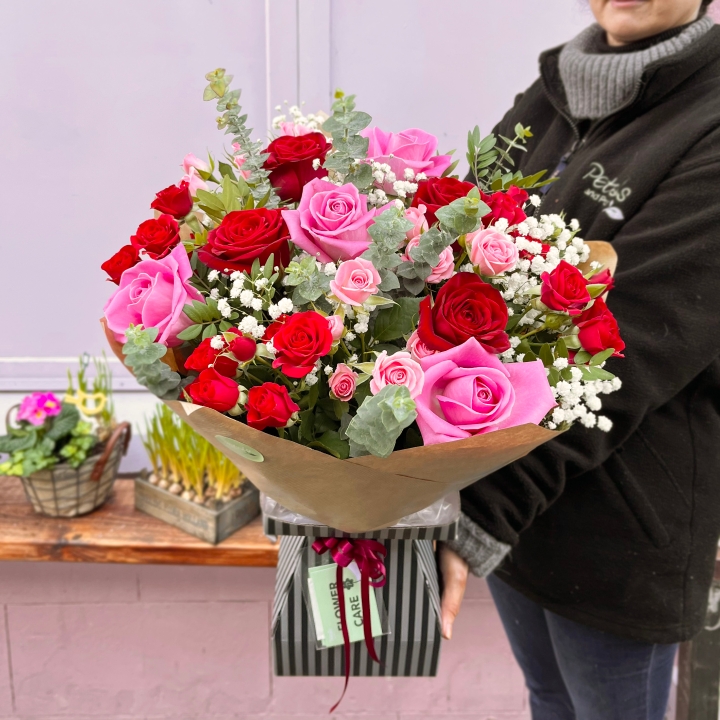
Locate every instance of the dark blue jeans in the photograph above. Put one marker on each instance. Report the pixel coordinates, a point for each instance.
(574, 672)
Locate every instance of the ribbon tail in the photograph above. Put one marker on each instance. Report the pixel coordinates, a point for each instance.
(367, 618)
(345, 633)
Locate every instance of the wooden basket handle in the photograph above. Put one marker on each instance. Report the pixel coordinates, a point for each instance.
(7, 416)
(123, 430)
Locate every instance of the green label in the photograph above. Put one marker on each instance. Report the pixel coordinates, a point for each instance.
(322, 587)
(241, 449)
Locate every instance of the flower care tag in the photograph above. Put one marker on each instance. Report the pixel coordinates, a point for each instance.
(322, 589)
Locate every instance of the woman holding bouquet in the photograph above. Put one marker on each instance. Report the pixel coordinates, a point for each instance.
(602, 545)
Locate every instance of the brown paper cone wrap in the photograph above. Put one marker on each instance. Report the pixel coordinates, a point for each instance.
(365, 493)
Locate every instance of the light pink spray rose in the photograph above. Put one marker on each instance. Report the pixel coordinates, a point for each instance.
(152, 294)
(192, 161)
(416, 215)
(397, 369)
(412, 148)
(468, 391)
(491, 251)
(240, 158)
(343, 382)
(417, 348)
(443, 270)
(337, 327)
(355, 281)
(331, 222)
(37, 407)
(292, 128)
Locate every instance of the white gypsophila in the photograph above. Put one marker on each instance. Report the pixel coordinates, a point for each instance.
(574, 224)
(285, 305)
(236, 276)
(224, 307)
(501, 225)
(377, 197)
(535, 200)
(350, 336)
(468, 267)
(532, 222)
(256, 304)
(409, 173)
(270, 347)
(217, 342)
(360, 328)
(524, 265)
(235, 291)
(556, 220)
(215, 293)
(515, 341)
(507, 356)
(258, 332)
(247, 325)
(576, 373)
(399, 205)
(594, 403)
(558, 415)
(604, 423)
(420, 176)
(330, 269)
(274, 312)
(260, 283)
(523, 228)
(403, 188)
(246, 298)
(578, 243)
(316, 163)
(328, 369)
(213, 276)
(311, 379)
(560, 363)
(353, 358)
(565, 236)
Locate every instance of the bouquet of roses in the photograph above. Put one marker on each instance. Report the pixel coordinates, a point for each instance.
(342, 290)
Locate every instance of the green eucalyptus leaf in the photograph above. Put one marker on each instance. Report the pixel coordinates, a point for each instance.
(397, 321)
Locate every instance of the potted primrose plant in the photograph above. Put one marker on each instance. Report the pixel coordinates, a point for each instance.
(192, 485)
(66, 452)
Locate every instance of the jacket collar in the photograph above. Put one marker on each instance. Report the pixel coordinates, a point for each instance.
(658, 80)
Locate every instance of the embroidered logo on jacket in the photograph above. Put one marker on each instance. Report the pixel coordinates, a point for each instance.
(606, 190)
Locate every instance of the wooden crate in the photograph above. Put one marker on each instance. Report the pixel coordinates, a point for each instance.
(210, 525)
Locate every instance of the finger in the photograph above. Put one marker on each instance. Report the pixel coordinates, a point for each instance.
(454, 572)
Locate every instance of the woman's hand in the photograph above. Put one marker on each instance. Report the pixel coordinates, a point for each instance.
(454, 574)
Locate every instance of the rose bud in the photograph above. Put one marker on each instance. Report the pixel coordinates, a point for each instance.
(243, 348)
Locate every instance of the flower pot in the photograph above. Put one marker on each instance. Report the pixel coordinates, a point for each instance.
(64, 491)
(211, 525)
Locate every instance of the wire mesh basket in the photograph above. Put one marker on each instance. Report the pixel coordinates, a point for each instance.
(64, 491)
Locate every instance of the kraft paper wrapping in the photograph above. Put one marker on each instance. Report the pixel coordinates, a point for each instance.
(366, 493)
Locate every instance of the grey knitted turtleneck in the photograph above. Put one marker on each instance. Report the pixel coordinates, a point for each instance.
(598, 85)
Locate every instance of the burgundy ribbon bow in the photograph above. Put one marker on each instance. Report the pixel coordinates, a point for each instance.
(368, 556)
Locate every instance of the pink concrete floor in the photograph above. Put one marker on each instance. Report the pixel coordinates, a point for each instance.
(127, 642)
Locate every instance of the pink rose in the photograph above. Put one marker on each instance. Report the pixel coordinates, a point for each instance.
(152, 294)
(443, 270)
(491, 251)
(416, 215)
(194, 181)
(355, 281)
(412, 148)
(240, 158)
(397, 369)
(296, 129)
(468, 391)
(331, 222)
(343, 382)
(417, 348)
(337, 327)
(192, 161)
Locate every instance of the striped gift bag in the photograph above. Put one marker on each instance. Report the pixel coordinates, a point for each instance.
(410, 596)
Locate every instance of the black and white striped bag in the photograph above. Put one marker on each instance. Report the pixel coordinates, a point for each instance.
(410, 596)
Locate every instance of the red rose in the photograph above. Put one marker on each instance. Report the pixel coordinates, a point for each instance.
(157, 237)
(269, 405)
(464, 307)
(205, 356)
(603, 278)
(599, 330)
(243, 348)
(214, 390)
(174, 200)
(526, 254)
(435, 193)
(565, 289)
(273, 328)
(303, 339)
(506, 205)
(291, 163)
(124, 258)
(244, 236)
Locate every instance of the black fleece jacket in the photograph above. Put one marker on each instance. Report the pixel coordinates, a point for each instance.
(619, 530)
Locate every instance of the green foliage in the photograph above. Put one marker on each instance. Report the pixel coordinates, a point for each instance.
(256, 187)
(64, 437)
(396, 321)
(463, 215)
(380, 420)
(344, 125)
(143, 355)
(309, 281)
